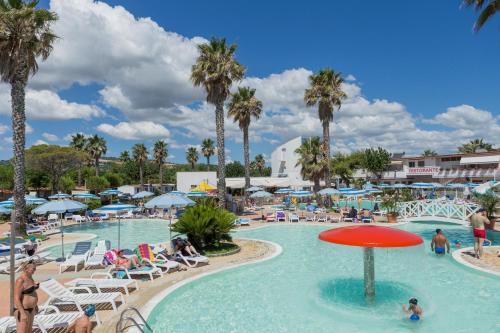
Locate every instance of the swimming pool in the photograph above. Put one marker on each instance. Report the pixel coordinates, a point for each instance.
(317, 287)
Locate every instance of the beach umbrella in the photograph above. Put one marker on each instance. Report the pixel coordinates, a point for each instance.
(254, 189)
(4, 210)
(60, 207)
(142, 195)
(368, 185)
(204, 186)
(355, 193)
(472, 185)
(283, 191)
(260, 194)
(328, 191)
(177, 193)
(301, 194)
(85, 196)
(110, 192)
(345, 189)
(399, 186)
(456, 185)
(168, 200)
(421, 185)
(485, 187)
(60, 196)
(116, 208)
(437, 185)
(373, 190)
(30, 200)
(197, 194)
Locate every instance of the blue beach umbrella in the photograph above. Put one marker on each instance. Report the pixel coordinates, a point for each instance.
(177, 193)
(254, 189)
(260, 194)
(30, 200)
(283, 191)
(197, 194)
(5, 211)
(110, 192)
(301, 194)
(328, 191)
(60, 196)
(142, 195)
(399, 186)
(345, 189)
(355, 193)
(382, 186)
(168, 200)
(472, 185)
(421, 185)
(85, 196)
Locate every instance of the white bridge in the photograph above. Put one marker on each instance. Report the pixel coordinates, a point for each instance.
(437, 210)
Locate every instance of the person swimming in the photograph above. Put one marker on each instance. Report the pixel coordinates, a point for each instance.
(414, 310)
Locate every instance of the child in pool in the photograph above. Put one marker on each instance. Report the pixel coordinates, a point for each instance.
(414, 310)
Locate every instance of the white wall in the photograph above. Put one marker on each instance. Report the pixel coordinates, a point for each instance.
(188, 180)
(130, 189)
(286, 153)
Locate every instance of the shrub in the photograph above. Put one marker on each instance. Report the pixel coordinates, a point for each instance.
(488, 201)
(93, 204)
(97, 183)
(205, 225)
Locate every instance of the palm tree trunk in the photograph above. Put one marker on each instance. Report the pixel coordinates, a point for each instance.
(316, 186)
(221, 154)
(161, 177)
(79, 174)
(192, 166)
(97, 166)
(17, 94)
(326, 151)
(246, 156)
(141, 176)
(208, 163)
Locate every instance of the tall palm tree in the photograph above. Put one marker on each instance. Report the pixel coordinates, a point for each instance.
(208, 150)
(25, 36)
(78, 142)
(96, 147)
(312, 160)
(140, 154)
(475, 145)
(192, 156)
(215, 70)
(124, 156)
(242, 107)
(160, 153)
(326, 91)
(260, 163)
(487, 9)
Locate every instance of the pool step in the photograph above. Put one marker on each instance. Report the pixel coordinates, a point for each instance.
(131, 320)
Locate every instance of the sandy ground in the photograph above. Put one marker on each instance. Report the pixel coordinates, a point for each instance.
(490, 260)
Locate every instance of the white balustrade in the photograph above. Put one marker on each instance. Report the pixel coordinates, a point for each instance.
(449, 211)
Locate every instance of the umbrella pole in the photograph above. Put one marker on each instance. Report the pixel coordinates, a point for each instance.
(62, 239)
(119, 231)
(369, 268)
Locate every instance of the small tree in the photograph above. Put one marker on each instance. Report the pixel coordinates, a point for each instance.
(376, 161)
(235, 169)
(488, 201)
(114, 179)
(97, 183)
(66, 184)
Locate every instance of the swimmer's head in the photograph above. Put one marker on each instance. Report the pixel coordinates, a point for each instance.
(413, 301)
(90, 310)
(438, 231)
(33, 238)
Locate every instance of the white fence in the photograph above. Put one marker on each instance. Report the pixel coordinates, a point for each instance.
(447, 211)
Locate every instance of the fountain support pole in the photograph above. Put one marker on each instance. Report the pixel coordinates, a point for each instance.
(369, 267)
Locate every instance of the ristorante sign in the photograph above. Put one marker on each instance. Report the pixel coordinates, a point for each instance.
(423, 171)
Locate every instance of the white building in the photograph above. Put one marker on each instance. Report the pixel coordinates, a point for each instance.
(186, 181)
(284, 160)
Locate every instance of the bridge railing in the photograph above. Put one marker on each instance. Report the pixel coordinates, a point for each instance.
(436, 208)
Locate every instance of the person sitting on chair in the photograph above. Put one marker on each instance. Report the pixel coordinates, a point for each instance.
(185, 247)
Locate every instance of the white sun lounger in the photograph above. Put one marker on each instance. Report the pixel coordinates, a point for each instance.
(105, 281)
(162, 262)
(149, 271)
(322, 218)
(59, 295)
(192, 261)
(73, 260)
(293, 218)
(48, 318)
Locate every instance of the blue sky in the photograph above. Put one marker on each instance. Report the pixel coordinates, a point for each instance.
(417, 76)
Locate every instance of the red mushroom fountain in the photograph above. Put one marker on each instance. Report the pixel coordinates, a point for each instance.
(370, 236)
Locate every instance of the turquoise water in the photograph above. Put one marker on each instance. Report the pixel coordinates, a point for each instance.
(314, 286)
(132, 233)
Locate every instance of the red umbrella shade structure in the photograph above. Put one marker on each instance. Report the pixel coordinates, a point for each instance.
(370, 236)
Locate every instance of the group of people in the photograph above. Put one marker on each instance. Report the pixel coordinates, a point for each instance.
(365, 214)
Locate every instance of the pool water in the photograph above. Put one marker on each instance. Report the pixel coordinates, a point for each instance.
(315, 286)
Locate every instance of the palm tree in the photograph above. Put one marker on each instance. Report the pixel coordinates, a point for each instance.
(243, 106)
(326, 91)
(429, 153)
(208, 150)
(124, 156)
(192, 156)
(312, 160)
(487, 8)
(78, 142)
(25, 36)
(96, 148)
(140, 154)
(260, 163)
(215, 70)
(475, 145)
(160, 153)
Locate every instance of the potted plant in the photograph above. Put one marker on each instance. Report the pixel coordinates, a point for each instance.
(390, 205)
(489, 201)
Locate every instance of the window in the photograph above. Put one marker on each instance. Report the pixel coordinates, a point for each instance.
(450, 159)
(411, 164)
(421, 163)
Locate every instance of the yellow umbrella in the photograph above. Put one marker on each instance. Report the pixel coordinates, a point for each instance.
(204, 187)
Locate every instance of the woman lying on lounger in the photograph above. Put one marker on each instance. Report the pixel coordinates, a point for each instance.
(124, 262)
(186, 248)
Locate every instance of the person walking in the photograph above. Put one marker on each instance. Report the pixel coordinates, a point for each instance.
(478, 221)
(25, 298)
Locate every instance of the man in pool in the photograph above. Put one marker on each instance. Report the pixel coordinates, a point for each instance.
(414, 310)
(439, 242)
(478, 220)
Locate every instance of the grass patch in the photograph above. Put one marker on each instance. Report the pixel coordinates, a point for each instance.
(222, 248)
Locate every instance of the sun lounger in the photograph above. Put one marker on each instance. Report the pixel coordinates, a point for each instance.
(270, 217)
(78, 218)
(77, 257)
(100, 281)
(293, 218)
(310, 218)
(21, 258)
(280, 216)
(145, 253)
(150, 271)
(334, 219)
(59, 295)
(322, 218)
(47, 319)
(192, 261)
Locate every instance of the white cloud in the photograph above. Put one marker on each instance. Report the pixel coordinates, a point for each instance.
(45, 104)
(40, 142)
(4, 129)
(50, 137)
(29, 129)
(350, 77)
(139, 130)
